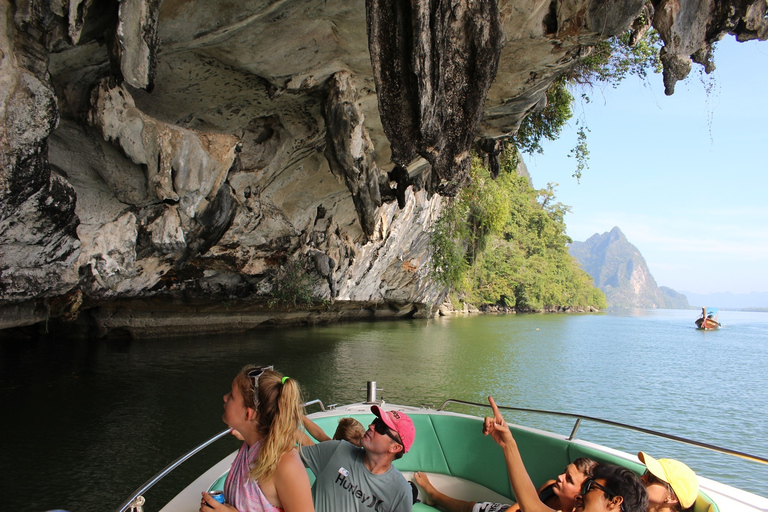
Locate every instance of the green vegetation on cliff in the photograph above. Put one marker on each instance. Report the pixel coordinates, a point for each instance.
(502, 242)
(609, 62)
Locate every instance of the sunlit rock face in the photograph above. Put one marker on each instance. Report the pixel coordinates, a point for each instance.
(205, 152)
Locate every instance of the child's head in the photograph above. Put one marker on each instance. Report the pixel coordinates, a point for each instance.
(351, 430)
(277, 402)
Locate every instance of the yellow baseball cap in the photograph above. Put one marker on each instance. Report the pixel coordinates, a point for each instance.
(680, 477)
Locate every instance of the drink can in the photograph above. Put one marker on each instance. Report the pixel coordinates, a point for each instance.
(217, 495)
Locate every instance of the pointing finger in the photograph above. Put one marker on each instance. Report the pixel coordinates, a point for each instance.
(496, 413)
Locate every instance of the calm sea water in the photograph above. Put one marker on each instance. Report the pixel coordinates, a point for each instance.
(86, 423)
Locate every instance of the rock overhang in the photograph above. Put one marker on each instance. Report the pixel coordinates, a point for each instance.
(260, 73)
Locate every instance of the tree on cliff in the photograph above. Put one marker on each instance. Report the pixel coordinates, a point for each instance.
(609, 62)
(502, 242)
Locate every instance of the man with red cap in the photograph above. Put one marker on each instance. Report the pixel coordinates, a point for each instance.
(350, 478)
(671, 485)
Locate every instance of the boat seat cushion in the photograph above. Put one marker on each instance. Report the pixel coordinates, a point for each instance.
(458, 488)
(479, 459)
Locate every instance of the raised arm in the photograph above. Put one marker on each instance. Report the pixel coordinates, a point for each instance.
(314, 430)
(522, 486)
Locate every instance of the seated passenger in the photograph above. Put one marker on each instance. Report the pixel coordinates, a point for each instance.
(558, 494)
(352, 479)
(609, 489)
(267, 475)
(348, 429)
(671, 485)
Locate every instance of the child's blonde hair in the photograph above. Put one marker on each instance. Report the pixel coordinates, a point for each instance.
(351, 430)
(277, 402)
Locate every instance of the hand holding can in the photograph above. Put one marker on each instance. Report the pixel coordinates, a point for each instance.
(217, 495)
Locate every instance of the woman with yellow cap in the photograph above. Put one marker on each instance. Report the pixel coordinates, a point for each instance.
(671, 485)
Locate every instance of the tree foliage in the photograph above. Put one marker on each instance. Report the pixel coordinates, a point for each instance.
(546, 122)
(502, 242)
(609, 62)
(615, 59)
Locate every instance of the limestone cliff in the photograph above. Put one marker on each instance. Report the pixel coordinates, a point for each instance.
(620, 271)
(184, 154)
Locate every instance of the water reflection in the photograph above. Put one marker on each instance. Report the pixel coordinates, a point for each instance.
(121, 411)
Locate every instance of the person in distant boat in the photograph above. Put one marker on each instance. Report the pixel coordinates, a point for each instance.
(352, 479)
(267, 474)
(558, 494)
(609, 489)
(348, 429)
(671, 485)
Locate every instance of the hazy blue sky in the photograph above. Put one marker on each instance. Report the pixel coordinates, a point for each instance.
(685, 177)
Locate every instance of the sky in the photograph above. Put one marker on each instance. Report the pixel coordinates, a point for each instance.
(685, 177)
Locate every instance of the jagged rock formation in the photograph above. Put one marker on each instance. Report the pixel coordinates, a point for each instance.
(424, 54)
(198, 151)
(620, 271)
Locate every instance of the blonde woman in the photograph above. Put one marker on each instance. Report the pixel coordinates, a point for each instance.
(267, 474)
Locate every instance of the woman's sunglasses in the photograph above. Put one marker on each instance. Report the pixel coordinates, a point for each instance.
(254, 374)
(651, 479)
(382, 429)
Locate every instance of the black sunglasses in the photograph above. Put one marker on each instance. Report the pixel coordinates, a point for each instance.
(382, 429)
(653, 479)
(590, 483)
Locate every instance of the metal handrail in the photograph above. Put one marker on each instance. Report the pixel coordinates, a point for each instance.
(580, 417)
(313, 402)
(170, 467)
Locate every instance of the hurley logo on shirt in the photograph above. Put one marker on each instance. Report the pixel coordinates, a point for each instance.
(368, 500)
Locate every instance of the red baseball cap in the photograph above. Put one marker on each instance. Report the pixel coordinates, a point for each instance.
(400, 423)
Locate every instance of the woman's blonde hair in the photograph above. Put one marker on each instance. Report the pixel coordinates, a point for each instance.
(277, 402)
(349, 429)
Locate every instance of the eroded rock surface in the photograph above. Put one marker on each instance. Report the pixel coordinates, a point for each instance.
(205, 155)
(425, 55)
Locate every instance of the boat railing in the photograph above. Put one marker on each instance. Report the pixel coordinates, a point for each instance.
(580, 417)
(136, 500)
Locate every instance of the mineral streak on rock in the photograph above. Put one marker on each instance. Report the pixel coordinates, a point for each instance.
(350, 151)
(138, 41)
(425, 55)
(38, 241)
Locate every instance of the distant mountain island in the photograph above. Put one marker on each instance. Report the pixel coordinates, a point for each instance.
(620, 271)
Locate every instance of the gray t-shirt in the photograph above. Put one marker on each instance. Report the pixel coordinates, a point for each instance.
(344, 484)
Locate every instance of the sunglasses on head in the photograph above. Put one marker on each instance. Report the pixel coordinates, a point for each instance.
(254, 374)
(382, 429)
(590, 484)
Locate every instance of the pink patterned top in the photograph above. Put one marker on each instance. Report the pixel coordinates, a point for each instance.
(239, 490)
